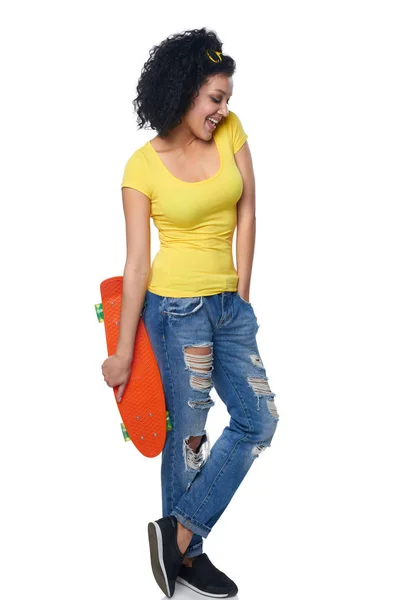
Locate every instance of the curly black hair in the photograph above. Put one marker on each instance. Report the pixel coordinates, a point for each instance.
(172, 76)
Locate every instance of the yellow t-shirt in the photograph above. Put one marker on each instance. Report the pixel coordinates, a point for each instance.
(196, 221)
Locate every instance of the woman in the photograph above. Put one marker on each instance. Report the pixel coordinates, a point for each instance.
(195, 180)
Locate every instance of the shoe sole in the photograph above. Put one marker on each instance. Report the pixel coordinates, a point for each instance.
(193, 587)
(156, 556)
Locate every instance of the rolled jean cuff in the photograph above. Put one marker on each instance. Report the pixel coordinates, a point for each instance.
(195, 550)
(191, 524)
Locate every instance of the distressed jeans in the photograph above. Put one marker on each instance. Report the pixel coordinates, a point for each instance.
(198, 483)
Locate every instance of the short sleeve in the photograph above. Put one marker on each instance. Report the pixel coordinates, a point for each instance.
(237, 133)
(136, 174)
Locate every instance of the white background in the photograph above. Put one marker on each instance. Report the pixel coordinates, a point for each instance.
(317, 91)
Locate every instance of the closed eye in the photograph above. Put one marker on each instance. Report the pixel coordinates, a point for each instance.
(218, 101)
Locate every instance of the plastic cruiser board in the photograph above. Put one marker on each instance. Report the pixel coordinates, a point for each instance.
(142, 407)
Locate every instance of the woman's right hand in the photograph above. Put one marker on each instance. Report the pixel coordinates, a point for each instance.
(117, 371)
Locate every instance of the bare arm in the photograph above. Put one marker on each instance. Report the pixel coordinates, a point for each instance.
(246, 221)
(137, 267)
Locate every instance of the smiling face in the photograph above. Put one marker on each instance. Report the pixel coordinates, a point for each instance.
(212, 101)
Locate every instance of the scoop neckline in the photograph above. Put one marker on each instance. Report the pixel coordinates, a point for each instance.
(192, 182)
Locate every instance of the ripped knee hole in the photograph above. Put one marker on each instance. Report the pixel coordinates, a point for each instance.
(199, 359)
(196, 451)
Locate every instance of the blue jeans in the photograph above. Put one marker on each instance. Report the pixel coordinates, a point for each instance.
(200, 343)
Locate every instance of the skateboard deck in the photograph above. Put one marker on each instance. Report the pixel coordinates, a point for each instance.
(142, 407)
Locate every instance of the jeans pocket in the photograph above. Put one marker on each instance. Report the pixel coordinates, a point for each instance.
(182, 307)
(248, 307)
(243, 300)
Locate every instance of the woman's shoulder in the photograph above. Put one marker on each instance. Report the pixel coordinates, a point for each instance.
(138, 155)
(236, 133)
(136, 171)
(232, 121)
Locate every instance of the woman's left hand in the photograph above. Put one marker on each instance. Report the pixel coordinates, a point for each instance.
(244, 295)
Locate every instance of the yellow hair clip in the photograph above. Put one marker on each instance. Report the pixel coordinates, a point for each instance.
(217, 53)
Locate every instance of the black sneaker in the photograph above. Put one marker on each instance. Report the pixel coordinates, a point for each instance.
(166, 558)
(206, 579)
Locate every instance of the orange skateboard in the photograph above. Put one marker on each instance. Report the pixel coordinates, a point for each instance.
(142, 407)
